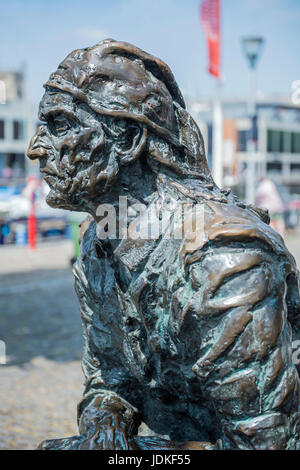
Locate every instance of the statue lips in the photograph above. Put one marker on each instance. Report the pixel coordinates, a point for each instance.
(46, 170)
(49, 172)
(50, 179)
(38, 148)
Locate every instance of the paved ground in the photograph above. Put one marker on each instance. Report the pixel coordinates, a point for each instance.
(40, 324)
(39, 320)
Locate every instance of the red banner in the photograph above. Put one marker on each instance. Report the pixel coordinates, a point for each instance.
(210, 18)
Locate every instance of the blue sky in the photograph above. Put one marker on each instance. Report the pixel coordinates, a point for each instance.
(41, 33)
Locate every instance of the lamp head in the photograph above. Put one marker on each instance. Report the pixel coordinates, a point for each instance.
(252, 48)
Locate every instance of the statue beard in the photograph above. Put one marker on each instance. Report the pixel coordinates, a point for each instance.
(85, 167)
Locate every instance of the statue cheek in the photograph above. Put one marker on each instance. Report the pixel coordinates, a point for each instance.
(69, 142)
(79, 147)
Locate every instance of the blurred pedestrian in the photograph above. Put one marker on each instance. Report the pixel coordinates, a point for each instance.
(6, 173)
(267, 197)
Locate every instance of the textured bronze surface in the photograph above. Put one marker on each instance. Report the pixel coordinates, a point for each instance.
(192, 341)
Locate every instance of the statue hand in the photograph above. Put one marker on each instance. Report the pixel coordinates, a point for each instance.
(110, 433)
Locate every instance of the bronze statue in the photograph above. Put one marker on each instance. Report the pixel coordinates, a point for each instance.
(192, 339)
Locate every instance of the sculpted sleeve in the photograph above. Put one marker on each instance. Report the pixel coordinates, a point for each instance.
(108, 381)
(241, 298)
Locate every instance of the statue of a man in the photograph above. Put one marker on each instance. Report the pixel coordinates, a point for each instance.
(190, 336)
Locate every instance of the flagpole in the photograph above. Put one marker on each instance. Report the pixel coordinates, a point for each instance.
(217, 144)
(210, 11)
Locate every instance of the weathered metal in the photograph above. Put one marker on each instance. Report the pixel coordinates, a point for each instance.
(192, 340)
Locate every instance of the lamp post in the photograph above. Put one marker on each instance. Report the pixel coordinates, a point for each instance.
(252, 47)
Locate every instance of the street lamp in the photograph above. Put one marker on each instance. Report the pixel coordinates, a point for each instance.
(252, 47)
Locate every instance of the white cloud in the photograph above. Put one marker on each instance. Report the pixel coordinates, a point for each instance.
(92, 34)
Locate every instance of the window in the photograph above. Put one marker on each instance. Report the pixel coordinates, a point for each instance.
(2, 131)
(295, 142)
(273, 141)
(274, 167)
(287, 142)
(242, 141)
(18, 133)
(280, 141)
(295, 166)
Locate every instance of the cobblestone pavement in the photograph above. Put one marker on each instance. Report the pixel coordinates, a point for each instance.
(39, 320)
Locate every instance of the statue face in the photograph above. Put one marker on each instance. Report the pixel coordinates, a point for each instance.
(71, 150)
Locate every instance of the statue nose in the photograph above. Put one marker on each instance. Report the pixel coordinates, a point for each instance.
(37, 148)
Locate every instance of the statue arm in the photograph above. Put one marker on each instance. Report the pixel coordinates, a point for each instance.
(107, 415)
(107, 419)
(112, 393)
(244, 363)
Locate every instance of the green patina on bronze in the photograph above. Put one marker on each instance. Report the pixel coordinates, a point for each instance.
(191, 342)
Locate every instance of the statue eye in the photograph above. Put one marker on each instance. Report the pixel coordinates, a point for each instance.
(61, 125)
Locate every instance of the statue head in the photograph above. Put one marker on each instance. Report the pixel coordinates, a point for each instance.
(105, 107)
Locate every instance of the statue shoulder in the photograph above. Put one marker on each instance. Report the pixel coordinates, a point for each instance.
(226, 223)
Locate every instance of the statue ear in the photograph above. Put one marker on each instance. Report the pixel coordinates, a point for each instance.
(132, 144)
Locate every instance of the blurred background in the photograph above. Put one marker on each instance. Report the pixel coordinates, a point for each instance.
(238, 65)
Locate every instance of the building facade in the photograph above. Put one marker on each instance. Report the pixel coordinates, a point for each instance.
(275, 133)
(17, 124)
